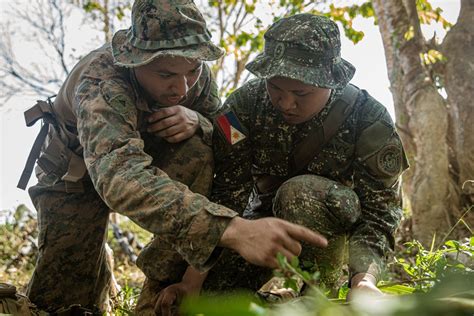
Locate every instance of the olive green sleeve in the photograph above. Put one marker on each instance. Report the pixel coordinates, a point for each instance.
(380, 160)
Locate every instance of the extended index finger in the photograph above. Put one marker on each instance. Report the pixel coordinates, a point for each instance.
(302, 233)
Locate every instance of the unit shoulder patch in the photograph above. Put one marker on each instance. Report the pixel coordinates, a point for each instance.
(389, 160)
(230, 127)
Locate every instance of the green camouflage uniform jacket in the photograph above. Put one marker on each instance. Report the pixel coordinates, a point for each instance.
(100, 115)
(365, 154)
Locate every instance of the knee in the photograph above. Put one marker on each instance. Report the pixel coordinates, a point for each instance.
(289, 193)
(295, 200)
(345, 204)
(309, 194)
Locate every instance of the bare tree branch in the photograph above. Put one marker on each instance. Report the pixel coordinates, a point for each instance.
(15, 77)
(45, 22)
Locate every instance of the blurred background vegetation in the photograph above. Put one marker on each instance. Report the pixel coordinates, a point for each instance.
(421, 281)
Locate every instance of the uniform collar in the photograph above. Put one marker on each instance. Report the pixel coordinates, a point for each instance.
(143, 100)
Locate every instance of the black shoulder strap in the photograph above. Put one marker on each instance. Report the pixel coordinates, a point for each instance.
(309, 147)
(41, 110)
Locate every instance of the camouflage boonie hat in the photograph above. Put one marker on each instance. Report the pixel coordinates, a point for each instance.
(304, 47)
(161, 28)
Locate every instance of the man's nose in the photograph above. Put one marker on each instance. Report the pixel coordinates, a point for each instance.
(180, 86)
(286, 102)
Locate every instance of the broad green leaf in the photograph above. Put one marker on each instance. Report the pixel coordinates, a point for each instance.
(450, 243)
(306, 275)
(291, 283)
(398, 289)
(233, 305)
(295, 262)
(281, 260)
(343, 290)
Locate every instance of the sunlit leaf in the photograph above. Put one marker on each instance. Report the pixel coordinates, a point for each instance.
(231, 305)
(343, 290)
(431, 57)
(295, 262)
(398, 289)
(410, 33)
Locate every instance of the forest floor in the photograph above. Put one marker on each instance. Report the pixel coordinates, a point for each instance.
(413, 269)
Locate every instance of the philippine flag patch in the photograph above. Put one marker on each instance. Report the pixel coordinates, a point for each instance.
(230, 127)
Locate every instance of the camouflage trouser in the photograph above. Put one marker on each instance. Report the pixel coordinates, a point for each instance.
(72, 266)
(312, 201)
(325, 206)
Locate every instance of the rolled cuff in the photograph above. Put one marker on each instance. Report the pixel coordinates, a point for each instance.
(200, 247)
(361, 261)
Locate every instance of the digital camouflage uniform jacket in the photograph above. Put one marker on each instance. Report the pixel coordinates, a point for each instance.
(365, 154)
(100, 113)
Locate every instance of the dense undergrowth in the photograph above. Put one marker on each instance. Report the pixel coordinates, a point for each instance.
(420, 281)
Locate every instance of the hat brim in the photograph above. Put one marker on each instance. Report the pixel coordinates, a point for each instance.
(126, 55)
(331, 76)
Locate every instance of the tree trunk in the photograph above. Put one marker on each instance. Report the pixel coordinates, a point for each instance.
(106, 20)
(458, 80)
(422, 117)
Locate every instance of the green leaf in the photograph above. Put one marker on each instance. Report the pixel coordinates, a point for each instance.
(281, 260)
(308, 264)
(291, 283)
(213, 3)
(249, 8)
(306, 275)
(90, 6)
(316, 275)
(410, 33)
(343, 290)
(398, 289)
(367, 10)
(353, 35)
(295, 262)
(450, 244)
(231, 305)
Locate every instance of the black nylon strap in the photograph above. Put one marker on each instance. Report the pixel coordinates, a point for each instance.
(309, 147)
(32, 157)
(41, 110)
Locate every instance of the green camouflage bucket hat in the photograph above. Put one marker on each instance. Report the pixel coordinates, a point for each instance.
(304, 47)
(159, 28)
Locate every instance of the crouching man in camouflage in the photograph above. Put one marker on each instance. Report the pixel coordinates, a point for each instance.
(303, 144)
(130, 132)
